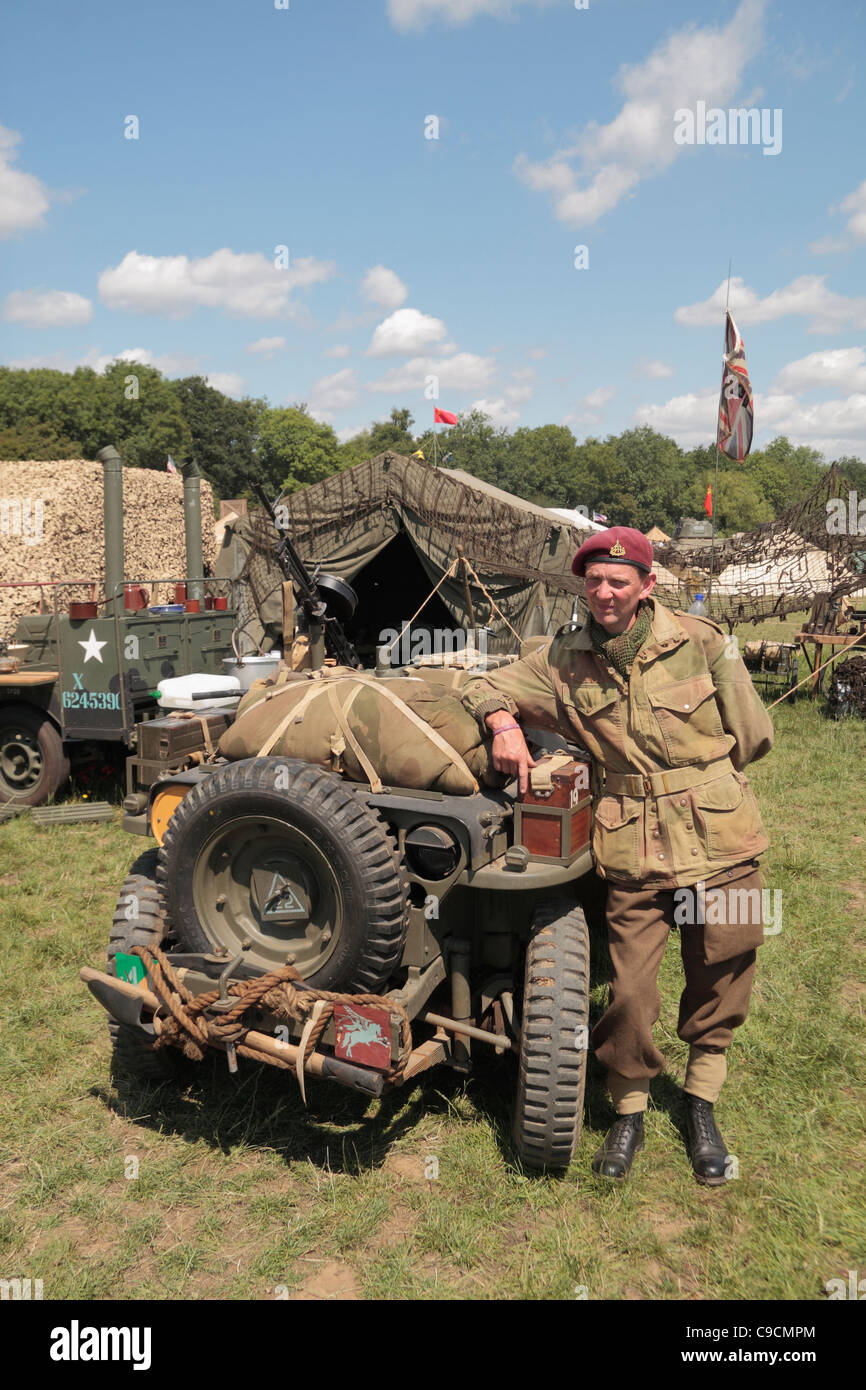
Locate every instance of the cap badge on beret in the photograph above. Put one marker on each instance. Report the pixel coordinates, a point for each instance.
(617, 548)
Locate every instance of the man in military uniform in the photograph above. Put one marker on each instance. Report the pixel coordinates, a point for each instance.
(669, 714)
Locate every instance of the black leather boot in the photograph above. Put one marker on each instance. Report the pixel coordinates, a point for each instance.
(624, 1140)
(707, 1149)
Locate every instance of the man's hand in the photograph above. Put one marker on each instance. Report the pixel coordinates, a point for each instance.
(510, 753)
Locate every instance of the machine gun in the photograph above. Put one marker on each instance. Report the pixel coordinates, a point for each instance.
(326, 601)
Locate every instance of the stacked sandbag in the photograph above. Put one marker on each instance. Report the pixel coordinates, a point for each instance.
(51, 528)
(395, 731)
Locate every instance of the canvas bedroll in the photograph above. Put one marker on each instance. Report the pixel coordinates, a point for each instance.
(399, 731)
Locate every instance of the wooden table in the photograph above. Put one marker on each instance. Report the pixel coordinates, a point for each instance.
(820, 640)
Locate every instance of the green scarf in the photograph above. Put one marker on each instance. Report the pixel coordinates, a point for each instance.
(622, 649)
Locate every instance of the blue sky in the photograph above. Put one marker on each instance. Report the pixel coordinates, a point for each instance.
(452, 258)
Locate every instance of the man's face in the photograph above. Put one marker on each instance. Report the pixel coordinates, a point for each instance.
(613, 593)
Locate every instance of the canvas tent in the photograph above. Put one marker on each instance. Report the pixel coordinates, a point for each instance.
(391, 527)
(579, 520)
(657, 535)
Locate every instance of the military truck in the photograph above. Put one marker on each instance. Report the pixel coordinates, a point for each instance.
(84, 677)
(426, 926)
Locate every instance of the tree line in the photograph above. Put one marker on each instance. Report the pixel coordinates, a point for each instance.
(636, 478)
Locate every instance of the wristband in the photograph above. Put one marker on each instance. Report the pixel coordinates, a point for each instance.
(504, 728)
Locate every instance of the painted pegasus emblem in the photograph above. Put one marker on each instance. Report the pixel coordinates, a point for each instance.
(356, 1030)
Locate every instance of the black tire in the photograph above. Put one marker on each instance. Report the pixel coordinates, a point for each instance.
(138, 921)
(33, 765)
(281, 854)
(548, 1110)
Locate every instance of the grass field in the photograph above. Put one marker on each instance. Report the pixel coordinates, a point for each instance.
(239, 1191)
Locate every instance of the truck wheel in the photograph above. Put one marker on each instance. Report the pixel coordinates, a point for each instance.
(138, 921)
(548, 1111)
(280, 855)
(33, 765)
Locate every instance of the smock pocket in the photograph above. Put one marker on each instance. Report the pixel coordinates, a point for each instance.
(616, 836)
(728, 820)
(689, 721)
(593, 710)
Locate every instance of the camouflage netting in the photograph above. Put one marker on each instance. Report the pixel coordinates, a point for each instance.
(51, 529)
(780, 568)
(522, 553)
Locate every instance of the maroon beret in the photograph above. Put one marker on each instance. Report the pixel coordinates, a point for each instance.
(618, 545)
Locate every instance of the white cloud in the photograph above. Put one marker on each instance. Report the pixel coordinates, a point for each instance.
(807, 296)
(230, 383)
(536, 353)
(417, 14)
(828, 245)
(266, 346)
(47, 308)
(854, 206)
(169, 363)
(608, 161)
(843, 369)
(652, 370)
(463, 372)
(835, 427)
(339, 350)
(518, 394)
(524, 374)
(600, 396)
(245, 284)
(405, 331)
(23, 197)
(500, 412)
(383, 286)
(690, 419)
(335, 392)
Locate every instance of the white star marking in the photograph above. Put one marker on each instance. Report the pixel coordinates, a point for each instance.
(92, 648)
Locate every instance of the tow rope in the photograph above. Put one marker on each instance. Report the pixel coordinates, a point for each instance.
(191, 1028)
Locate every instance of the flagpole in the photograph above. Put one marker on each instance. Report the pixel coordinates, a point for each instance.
(435, 441)
(715, 492)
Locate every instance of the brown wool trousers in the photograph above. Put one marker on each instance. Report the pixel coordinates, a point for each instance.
(719, 963)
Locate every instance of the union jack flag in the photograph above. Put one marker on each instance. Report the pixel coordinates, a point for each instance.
(736, 409)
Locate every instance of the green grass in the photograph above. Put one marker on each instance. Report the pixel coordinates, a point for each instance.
(242, 1192)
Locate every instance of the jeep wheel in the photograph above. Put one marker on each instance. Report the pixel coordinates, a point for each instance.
(138, 921)
(33, 765)
(548, 1111)
(278, 858)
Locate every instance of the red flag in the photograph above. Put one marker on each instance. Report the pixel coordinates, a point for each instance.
(736, 408)
(708, 501)
(443, 417)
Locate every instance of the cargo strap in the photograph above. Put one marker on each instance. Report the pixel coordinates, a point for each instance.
(675, 779)
(541, 777)
(295, 714)
(326, 686)
(426, 729)
(340, 714)
(202, 719)
(277, 992)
